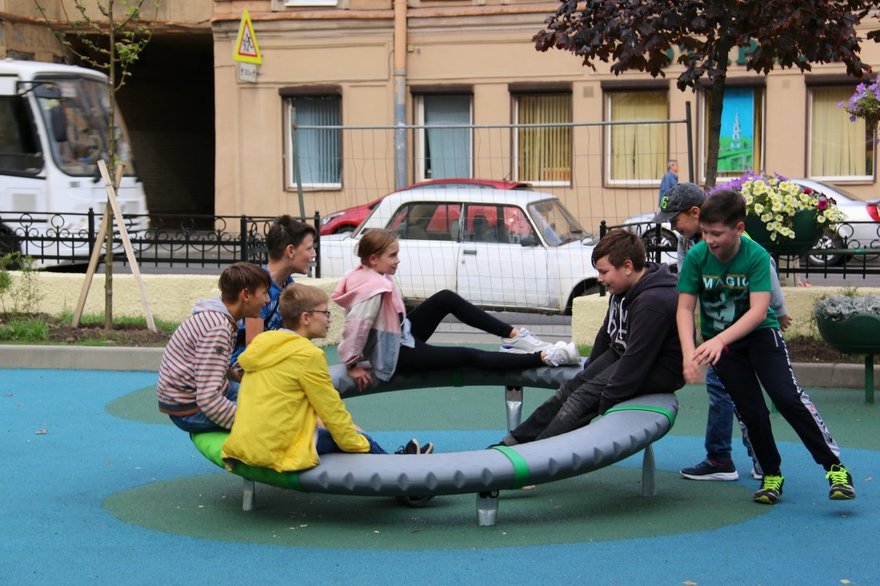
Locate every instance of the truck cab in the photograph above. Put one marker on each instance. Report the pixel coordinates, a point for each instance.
(54, 127)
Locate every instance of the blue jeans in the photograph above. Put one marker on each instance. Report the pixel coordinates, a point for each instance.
(326, 445)
(199, 422)
(719, 423)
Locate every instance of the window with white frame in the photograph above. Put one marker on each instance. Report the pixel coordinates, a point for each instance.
(838, 148)
(741, 142)
(636, 154)
(315, 153)
(444, 153)
(542, 154)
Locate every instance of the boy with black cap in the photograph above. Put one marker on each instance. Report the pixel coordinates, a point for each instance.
(681, 207)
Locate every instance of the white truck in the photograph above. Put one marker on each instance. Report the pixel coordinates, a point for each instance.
(53, 129)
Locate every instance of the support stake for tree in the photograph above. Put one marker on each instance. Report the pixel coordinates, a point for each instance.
(113, 205)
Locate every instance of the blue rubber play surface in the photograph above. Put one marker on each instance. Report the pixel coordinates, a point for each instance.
(99, 488)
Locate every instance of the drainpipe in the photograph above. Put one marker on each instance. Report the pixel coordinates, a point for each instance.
(400, 93)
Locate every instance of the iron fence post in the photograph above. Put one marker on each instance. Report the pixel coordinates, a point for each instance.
(690, 147)
(317, 222)
(92, 235)
(603, 230)
(243, 238)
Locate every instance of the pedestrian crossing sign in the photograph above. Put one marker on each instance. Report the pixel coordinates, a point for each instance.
(247, 50)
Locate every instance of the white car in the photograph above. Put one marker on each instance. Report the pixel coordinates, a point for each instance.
(861, 229)
(499, 249)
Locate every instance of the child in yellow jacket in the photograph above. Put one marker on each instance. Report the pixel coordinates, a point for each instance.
(287, 388)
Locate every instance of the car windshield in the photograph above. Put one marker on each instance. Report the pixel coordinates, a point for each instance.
(556, 223)
(75, 112)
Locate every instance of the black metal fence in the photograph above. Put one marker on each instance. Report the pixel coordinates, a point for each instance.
(65, 240)
(852, 248)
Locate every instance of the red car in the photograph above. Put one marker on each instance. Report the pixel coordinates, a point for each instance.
(350, 218)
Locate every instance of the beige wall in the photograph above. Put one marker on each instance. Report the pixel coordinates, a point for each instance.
(171, 297)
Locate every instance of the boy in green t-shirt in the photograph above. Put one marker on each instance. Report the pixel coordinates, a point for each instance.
(731, 277)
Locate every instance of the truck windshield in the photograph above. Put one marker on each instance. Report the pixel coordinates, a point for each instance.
(75, 113)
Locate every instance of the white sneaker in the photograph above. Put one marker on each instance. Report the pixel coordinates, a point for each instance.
(525, 342)
(571, 352)
(561, 353)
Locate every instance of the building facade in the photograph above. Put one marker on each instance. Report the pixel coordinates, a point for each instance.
(366, 63)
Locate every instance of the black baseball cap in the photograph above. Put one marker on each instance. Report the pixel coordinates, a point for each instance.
(680, 197)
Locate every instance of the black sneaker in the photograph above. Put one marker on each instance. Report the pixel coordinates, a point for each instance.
(711, 470)
(841, 483)
(770, 491)
(412, 447)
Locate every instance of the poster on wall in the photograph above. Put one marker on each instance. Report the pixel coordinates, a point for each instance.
(737, 139)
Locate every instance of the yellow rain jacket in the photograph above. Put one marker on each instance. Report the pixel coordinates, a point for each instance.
(285, 389)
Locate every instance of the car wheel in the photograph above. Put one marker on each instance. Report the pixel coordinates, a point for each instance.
(585, 288)
(668, 240)
(820, 260)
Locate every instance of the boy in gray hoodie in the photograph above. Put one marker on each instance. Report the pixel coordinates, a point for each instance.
(636, 351)
(193, 389)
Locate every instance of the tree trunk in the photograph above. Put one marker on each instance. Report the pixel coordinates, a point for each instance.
(111, 166)
(716, 105)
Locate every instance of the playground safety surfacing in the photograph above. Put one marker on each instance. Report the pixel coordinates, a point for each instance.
(100, 488)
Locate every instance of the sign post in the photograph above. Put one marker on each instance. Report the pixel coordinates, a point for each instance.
(247, 50)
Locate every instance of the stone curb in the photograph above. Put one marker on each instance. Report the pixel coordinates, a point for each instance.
(81, 357)
(846, 376)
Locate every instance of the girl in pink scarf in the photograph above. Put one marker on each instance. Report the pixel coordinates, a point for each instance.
(379, 338)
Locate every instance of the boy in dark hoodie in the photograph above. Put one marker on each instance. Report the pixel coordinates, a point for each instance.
(636, 351)
(193, 389)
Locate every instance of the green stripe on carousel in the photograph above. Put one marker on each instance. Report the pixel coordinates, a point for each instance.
(520, 466)
(669, 414)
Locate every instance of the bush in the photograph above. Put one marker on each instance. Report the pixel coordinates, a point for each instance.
(846, 305)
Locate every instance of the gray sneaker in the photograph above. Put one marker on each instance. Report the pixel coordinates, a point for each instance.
(525, 342)
(711, 470)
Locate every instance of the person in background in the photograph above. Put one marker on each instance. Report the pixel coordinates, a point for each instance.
(669, 179)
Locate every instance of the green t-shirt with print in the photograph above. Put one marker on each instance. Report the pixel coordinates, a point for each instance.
(724, 288)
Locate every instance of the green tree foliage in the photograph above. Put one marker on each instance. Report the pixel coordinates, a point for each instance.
(640, 35)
